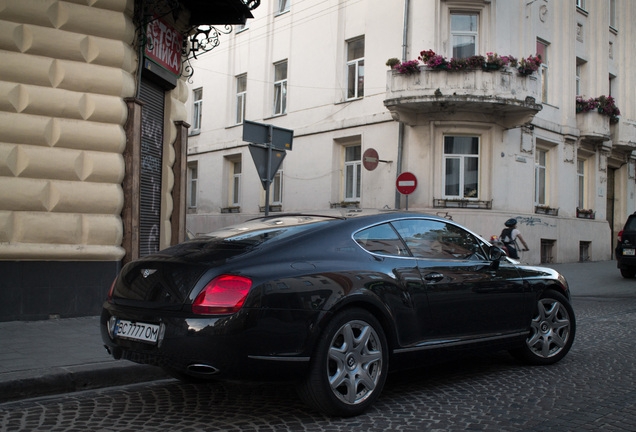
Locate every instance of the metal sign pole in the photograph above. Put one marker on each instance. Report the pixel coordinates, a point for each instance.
(268, 182)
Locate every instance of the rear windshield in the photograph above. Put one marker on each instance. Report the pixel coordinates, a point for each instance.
(263, 230)
(631, 224)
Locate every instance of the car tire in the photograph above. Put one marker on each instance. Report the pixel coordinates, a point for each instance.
(349, 366)
(552, 330)
(628, 273)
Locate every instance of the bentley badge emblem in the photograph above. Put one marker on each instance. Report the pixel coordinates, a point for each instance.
(147, 272)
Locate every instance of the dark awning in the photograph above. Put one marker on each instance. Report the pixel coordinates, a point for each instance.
(215, 12)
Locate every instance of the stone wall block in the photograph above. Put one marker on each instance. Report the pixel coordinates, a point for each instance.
(64, 45)
(72, 105)
(60, 164)
(59, 196)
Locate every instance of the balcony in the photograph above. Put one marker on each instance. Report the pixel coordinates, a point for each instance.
(593, 126)
(623, 135)
(502, 97)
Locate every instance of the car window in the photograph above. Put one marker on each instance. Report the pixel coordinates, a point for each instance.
(631, 224)
(438, 240)
(381, 239)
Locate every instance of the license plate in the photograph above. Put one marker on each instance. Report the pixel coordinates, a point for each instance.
(629, 251)
(137, 331)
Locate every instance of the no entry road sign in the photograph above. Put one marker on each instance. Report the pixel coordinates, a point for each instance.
(406, 183)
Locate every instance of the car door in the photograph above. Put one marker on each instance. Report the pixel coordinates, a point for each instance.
(468, 297)
(402, 288)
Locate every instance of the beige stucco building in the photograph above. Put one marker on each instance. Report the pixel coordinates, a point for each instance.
(484, 145)
(92, 143)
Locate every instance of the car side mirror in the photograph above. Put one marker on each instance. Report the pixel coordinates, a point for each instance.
(495, 255)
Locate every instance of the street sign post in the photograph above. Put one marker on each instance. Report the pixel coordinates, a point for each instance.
(268, 149)
(406, 184)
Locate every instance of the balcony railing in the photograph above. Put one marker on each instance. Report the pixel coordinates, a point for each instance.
(503, 96)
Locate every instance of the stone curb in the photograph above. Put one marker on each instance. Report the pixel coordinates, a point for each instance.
(24, 385)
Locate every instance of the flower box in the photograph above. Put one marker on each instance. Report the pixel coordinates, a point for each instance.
(585, 214)
(546, 210)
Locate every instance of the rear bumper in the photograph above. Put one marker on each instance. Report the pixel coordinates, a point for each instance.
(625, 261)
(251, 344)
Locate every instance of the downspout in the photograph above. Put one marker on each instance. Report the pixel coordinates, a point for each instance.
(400, 148)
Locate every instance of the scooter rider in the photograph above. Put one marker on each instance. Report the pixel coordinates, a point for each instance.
(508, 237)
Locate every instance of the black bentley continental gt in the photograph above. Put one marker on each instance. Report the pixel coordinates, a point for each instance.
(333, 303)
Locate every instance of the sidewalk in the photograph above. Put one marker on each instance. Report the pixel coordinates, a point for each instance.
(40, 358)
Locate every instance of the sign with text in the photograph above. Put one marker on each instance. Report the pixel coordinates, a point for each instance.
(163, 45)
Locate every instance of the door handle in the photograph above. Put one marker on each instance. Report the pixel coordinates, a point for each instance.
(434, 277)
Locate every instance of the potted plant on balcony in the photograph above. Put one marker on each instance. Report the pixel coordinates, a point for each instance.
(406, 68)
(585, 213)
(495, 62)
(607, 106)
(529, 65)
(434, 61)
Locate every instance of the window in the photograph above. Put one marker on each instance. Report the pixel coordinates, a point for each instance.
(542, 50)
(241, 95)
(353, 163)
(612, 13)
(277, 188)
(580, 4)
(280, 88)
(283, 6)
(438, 240)
(578, 80)
(580, 172)
(355, 68)
(197, 105)
(193, 179)
(540, 176)
(235, 191)
(461, 167)
(381, 239)
(464, 32)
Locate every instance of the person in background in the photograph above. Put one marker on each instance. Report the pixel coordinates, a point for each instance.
(509, 235)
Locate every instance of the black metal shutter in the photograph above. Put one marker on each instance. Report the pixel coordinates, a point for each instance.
(151, 166)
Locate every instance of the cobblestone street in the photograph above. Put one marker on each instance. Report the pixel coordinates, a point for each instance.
(591, 389)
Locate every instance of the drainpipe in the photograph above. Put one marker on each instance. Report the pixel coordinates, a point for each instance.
(400, 148)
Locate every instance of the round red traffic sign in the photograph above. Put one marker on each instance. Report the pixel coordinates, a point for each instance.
(370, 159)
(406, 183)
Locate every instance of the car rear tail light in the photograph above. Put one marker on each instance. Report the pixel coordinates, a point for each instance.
(620, 236)
(110, 291)
(224, 294)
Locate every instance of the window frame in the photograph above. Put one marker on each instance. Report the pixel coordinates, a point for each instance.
(544, 170)
(544, 70)
(357, 64)
(277, 188)
(612, 14)
(241, 98)
(193, 183)
(353, 183)
(280, 90)
(581, 171)
(235, 186)
(283, 6)
(462, 168)
(463, 33)
(197, 109)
